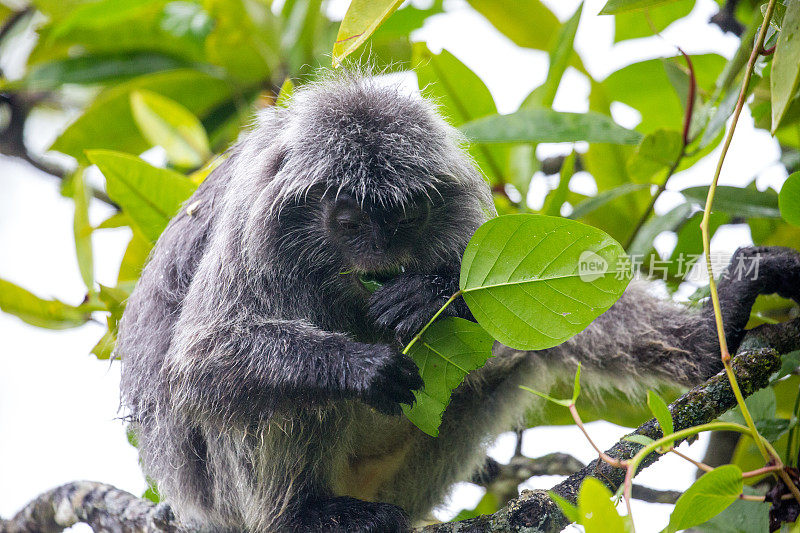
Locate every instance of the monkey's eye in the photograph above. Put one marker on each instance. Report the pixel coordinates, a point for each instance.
(349, 219)
(415, 216)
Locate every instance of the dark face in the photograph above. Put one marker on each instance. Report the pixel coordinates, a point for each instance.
(374, 240)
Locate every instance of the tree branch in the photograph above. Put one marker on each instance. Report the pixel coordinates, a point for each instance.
(534, 511)
(101, 506)
(107, 508)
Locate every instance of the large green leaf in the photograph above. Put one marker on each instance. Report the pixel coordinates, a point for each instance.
(595, 510)
(623, 6)
(785, 74)
(150, 196)
(39, 312)
(166, 123)
(462, 97)
(657, 153)
(646, 22)
(236, 44)
(642, 242)
(707, 497)
(362, 18)
(737, 201)
(533, 281)
(647, 87)
(789, 199)
(93, 70)
(529, 23)
(136, 25)
(108, 122)
(595, 202)
(546, 125)
(445, 352)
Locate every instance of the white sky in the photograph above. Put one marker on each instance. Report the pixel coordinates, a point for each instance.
(58, 403)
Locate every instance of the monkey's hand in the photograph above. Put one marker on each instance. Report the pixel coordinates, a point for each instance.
(753, 271)
(405, 304)
(386, 379)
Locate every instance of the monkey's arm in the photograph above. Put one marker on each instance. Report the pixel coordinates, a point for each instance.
(247, 368)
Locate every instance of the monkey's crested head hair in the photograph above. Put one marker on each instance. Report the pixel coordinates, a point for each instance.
(359, 177)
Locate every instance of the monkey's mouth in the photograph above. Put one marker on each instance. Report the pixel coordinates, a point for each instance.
(374, 280)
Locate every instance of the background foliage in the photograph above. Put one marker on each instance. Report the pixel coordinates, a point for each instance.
(186, 76)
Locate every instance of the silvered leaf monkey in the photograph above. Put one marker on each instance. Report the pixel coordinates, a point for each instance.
(264, 380)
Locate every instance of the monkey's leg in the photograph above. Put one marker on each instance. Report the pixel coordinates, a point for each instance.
(348, 515)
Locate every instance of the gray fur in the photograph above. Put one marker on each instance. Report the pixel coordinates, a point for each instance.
(257, 370)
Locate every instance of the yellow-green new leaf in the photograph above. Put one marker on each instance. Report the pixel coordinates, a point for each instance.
(150, 196)
(445, 352)
(39, 312)
(660, 410)
(82, 229)
(534, 281)
(361, 20)
(785, 76)
(596, 512)
(166, 123)
(789, 199)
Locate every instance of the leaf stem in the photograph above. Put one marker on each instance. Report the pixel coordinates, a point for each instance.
(704, 227)
(435, 316)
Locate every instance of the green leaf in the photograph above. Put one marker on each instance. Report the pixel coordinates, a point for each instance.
(462, 96)
(623, 6)
(166, 123)
(134, 258)
(516, 19)
(361, 20)
(596, 512)
(639, 439)
(237, 44)
(590, 204)
(150, 196)
(670, 221)
(660, 410)
(105, 346)
(82, 228)
(542, 395)
(568, 508)
(108, 122)
(546, 125)
(657, 153)
(285, 94)
(646, 87)
(533, 281)
(576, 387)
(136, 26)
(560, 54)
(707, 497)
(740, 517)
(789, 199)
(93, 70)
(737, 201)
(556, 198)
(785, 74)
(51, 314)
(445, 352)
(648, 21)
